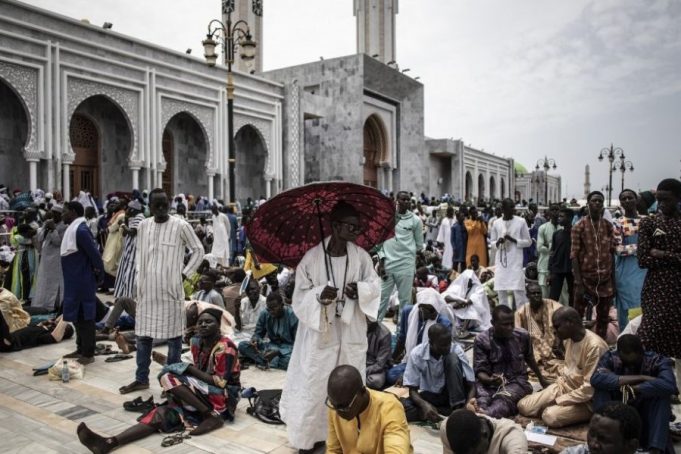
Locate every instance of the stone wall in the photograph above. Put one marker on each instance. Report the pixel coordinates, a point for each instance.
(189, 155)
(13, 134)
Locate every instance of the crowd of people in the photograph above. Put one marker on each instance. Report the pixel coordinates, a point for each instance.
(567, 312)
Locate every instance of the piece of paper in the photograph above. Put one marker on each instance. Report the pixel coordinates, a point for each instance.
(548, 440)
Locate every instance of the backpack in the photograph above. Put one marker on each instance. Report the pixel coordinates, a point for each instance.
(264, 405)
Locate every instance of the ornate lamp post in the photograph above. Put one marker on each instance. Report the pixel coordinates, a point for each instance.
(623, 167)
(611, 154)
(231, 36)
(547, 164)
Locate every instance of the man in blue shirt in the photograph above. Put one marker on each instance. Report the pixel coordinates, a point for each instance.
(438, 376)
(279, 324)
(646, 379)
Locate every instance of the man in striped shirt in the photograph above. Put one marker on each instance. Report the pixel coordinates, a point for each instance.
(161, 244)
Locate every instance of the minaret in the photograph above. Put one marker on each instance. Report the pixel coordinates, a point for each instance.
(587, 181)
(251, 12)
(376, 28)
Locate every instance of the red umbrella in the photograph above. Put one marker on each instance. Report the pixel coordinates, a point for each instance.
(284, 228)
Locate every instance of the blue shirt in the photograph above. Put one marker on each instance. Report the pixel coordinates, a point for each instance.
(427, 373)
(404, 323)
(281, 331)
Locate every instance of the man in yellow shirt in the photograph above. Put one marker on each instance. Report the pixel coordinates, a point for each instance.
(362, 420)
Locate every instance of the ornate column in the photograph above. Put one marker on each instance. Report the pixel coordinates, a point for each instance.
(211, 180)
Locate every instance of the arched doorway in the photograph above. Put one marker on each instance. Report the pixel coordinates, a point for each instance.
(99, 123)
(503, 189)
(481, 188)
(185, 151)
(14, 130)
(469, 186)
(84, 173)
(251, 158)
(492, 188)
(374, 150)
(168, 183)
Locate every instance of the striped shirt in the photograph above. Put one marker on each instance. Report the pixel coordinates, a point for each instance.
(160, 265)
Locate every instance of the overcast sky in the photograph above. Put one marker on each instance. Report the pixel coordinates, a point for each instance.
(524, 79)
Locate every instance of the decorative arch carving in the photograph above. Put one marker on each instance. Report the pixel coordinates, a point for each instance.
(263, 128)
(203, 115)
(78, 90)
(24, 82)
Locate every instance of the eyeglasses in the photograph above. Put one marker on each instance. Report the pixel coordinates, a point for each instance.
(352, 228)
(346, 408)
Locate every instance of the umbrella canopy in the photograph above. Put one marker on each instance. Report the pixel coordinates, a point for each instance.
(285, 227)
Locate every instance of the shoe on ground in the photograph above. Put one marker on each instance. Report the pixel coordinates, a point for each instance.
(134, 386)
(72, 355)
(85, 360)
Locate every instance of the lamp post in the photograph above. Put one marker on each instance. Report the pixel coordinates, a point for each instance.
(623, 167)
(546, 163)
(611, 154)
(230, 35)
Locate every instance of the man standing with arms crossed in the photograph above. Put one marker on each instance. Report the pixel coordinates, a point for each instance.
(161, 243)
(398, 255)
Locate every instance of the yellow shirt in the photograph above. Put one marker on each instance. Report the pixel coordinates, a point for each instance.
(382, 429)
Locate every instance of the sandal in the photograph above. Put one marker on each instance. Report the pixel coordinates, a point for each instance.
(138, 405)
(107, 350)
(118, 357)
(174, 439)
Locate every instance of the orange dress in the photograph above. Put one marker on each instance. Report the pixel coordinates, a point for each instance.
(477, 241)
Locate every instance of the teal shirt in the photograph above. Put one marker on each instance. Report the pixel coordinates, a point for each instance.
(544, 240)
(280, 331)
(399, 252)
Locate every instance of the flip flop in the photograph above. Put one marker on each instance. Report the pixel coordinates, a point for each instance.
(138, 405)
(107, 350)
(117, 357)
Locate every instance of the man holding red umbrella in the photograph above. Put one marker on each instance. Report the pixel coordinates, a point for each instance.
(336, 290)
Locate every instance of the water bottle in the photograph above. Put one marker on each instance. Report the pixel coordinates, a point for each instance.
(65, 374)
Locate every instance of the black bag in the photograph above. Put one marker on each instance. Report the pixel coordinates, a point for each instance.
(264, 405)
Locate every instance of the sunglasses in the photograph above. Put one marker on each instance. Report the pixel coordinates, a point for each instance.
(352, 228)
(346, 408)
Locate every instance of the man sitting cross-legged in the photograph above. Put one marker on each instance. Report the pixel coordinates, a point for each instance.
(647, 380)
(501, 356)
(466, 432)
(438, 376)
(205, 392)
(535, 318)
(568, 400)
(361, 419)
(279, 324)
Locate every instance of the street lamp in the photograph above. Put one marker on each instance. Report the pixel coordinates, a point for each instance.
(230, 36)
(623, 167)
(546, 163)
(612, 154)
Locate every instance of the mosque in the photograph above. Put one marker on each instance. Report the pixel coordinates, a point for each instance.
(83, 107)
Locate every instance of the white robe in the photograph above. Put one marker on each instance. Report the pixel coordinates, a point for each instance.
(445, 236)
(221, 232)
(479, 311)
(509, 274)
(324, 341)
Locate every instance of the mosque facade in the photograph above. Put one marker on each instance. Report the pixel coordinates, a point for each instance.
(84, 108)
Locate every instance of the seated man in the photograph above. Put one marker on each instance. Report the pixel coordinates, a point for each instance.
(205, 392)
(466, 432)
(361, 419)
(475, 265)
(44, 333)
(438, 376)
(469, 303)
(647, 379)
(614, 429)
(231, 293)
(568, 400)
(378, 353)
(248, 310)
(279, 324)
(430, 308)
(423, 278)
(501, 356)
(207, 292)
(535, 318)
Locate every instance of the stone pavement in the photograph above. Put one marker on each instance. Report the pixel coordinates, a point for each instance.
(41, 416)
